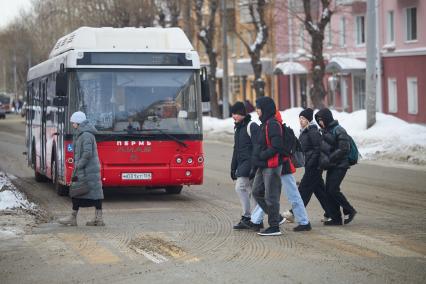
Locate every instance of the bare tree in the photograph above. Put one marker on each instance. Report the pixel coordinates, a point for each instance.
(257, 12)
(206, 34)
(316, 31)
(168, 13)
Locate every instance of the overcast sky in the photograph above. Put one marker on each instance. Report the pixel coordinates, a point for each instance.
(9, 9)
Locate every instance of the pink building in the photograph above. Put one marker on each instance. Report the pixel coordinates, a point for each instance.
(402, 44)
(344, 50)
(403, 50)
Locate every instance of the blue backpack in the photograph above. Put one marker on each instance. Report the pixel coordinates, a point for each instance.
(353, 152)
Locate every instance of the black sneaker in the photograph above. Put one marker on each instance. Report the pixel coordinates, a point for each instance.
(333, 223)
(243, 224)
(271, 231)
(350, 217)
(256, 227)
(302, 228)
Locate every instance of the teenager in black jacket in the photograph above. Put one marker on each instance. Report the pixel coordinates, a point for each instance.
(244, 138)
(334, 150)
(267, 157)
(312, 181)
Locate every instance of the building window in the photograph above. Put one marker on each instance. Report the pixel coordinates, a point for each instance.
(413, 107)
(235, 85)
(392, 95)
(329, 38)
(342, 32)
(390, 36)
(411, 23)
(360, 30)
(302, 36)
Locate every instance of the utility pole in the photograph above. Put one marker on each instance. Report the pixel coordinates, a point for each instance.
(290, 43)
(379, 106)
(15, 83)
(371, 63)
(225, 86)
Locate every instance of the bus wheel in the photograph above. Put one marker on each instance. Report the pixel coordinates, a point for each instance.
(37, 176)
(174, 189)
(59, 188)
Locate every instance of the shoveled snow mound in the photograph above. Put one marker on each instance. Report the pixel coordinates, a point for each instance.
(10, 198)
(16, 212)
(390, 138)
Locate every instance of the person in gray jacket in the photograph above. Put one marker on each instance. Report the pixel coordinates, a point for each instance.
(86, 167)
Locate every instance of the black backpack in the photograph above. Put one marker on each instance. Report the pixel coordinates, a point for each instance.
(292, 147)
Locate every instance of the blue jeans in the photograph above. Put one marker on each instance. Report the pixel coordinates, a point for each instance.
(257, 215)
(293, 196)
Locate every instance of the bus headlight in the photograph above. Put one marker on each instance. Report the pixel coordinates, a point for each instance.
(200, 159)
(189, 160)
(179, 160)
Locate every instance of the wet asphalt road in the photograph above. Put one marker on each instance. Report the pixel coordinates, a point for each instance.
(152, 237)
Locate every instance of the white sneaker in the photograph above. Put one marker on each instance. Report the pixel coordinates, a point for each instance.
(325, 219)
(288, 216)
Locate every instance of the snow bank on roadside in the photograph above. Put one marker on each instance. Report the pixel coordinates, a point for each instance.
(14, 208)
(10, 197)
(390, 138)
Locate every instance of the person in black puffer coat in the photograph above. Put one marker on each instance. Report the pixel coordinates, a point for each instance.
(334, 150)
(312, 181)
(244, 138)
(267, 157)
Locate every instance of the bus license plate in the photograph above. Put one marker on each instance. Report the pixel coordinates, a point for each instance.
(136, 176)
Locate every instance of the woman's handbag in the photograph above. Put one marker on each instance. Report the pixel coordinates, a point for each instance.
(79, 187)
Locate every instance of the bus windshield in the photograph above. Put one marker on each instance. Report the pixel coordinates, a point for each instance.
(138, 101)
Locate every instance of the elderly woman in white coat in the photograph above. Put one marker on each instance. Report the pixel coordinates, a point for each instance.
(86, 169)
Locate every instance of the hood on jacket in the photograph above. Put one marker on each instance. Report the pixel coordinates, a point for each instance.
(267, 106)
(325, 115)
(86, 126)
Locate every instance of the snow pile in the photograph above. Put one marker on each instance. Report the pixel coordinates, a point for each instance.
(10, 197)
(16, 212)
(390, 138)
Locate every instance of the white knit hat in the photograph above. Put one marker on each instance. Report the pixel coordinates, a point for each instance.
(78, 117)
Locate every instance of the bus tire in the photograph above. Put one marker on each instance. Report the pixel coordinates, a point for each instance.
(60, 189)
(37, 176)
(174, 189)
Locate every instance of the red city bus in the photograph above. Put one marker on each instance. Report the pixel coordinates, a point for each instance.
(143, 97)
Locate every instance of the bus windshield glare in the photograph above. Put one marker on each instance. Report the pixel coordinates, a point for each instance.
(136, 101)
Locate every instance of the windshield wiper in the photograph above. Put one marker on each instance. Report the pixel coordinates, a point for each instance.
(180, 142)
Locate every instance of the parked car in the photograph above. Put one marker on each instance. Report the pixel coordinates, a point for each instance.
(2, 112)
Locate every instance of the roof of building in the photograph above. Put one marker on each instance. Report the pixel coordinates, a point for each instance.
(288, 68)
(344, 64)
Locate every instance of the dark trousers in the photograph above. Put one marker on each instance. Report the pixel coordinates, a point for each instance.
(267, 191)
(335, 198)
(80, 202)
(312, 183)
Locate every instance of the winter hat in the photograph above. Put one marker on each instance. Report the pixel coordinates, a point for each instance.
(307, 113)
(325, 115)
(239, 108)
(78, 117)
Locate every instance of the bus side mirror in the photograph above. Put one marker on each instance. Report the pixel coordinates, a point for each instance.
(60, 101)
(61, 84)
(205, 88)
